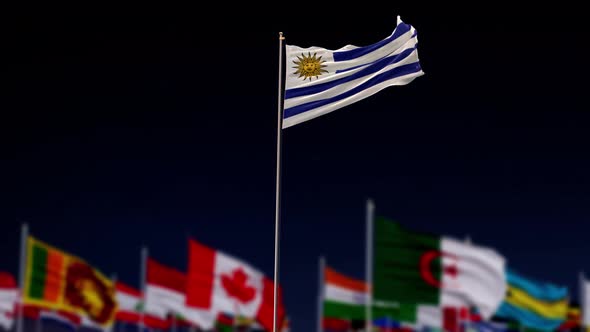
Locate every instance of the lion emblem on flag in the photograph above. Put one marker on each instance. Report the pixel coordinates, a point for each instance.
(86, 290)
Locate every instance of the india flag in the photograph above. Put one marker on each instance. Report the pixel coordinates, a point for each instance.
(345, 300)
(344, 297)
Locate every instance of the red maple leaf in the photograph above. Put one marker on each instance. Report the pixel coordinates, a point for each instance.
(236, 285)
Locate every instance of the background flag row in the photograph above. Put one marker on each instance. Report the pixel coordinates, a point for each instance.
(58, 286)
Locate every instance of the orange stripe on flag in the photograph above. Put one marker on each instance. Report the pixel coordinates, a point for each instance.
(334, 278)
(54, 277)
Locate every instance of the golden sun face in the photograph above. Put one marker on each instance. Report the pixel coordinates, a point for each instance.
(309, 66)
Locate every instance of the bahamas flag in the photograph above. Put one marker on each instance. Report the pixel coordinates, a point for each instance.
(538, 305)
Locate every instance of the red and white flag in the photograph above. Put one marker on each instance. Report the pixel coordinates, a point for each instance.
(130, 307)
(8, 297)
(221, 283)
(166, 295)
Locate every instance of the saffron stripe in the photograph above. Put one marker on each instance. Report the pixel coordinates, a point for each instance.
(53, 276)
(337, 279)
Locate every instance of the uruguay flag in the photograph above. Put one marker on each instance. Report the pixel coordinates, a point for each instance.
(319, 81)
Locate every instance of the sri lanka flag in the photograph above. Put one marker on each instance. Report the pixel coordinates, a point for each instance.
(60, 281)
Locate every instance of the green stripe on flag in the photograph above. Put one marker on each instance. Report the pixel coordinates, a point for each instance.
(398, 276)
(38, 272)
(221, 327)
(343, 310)
(402, 313)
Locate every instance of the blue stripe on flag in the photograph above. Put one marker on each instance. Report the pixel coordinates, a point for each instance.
(539, 290)
(386, 322)
(528, 318)
(374, 67)
(62, 323)
(485, 327)
(388, 75)
(358, 52)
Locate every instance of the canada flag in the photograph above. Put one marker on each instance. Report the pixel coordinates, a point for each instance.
(225, 284)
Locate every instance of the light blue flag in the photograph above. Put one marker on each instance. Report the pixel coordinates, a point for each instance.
(528, 318)
(533, 303)
(319, 81)
(485, 327)
(385, 323)
(540, 290)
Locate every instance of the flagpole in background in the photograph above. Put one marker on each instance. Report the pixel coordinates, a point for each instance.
(234, 322)
(114, 281)
(173, 322)
(142, 287)
(24, 234)
(468, 239)
(321, 292)
(278, 183)
(369, 264)
(38, 324)
(582, 299)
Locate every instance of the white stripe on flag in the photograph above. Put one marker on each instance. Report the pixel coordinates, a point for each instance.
(345, 295)
(319, 81)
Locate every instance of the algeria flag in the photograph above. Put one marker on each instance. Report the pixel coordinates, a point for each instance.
(222, 283)
(345, 300)
(413, 267)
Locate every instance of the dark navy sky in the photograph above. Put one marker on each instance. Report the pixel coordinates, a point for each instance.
(120, 131)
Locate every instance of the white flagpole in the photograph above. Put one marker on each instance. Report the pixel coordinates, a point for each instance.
(582, 294)
(24, 234)
(278, 183)
(321, 292)
(142, 285)
(38, 325)
(369, 264)
(468, 239)
(236, 317)
(173, 327)
(114, 281)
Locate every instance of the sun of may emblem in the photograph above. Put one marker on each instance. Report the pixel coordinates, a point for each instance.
(309, 66)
